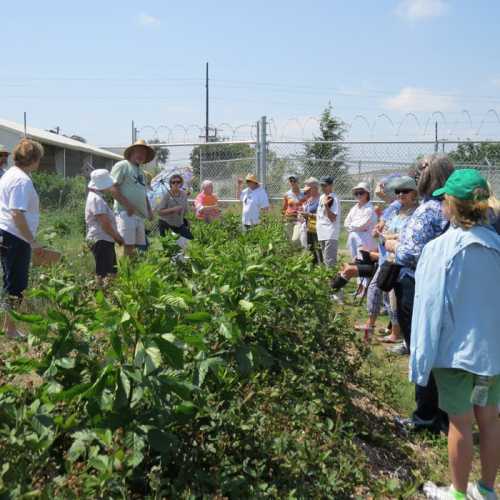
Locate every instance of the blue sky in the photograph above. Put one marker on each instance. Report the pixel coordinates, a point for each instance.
(92, 67)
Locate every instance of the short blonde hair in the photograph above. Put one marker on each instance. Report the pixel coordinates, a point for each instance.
(27, 152)
(466, 213)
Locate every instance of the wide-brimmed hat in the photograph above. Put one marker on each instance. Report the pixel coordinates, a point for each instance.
(465, 184)
(4, 150)
(251, 178)
(100, 179)
(361, 186)
(141, 143)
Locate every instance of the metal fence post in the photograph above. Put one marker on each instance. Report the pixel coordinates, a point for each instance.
(201, 165)
(257, 151)
(263, 151)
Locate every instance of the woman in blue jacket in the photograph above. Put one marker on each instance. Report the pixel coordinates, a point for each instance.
(455, 331)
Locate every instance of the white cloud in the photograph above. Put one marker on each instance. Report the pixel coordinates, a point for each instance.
(415, 100)
(422, 9)
(148, 20)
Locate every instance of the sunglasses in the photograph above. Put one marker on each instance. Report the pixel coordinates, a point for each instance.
(402, 191)
(175, 182)
(359, 193)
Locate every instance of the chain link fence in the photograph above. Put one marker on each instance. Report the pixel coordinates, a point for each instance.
(347, 162)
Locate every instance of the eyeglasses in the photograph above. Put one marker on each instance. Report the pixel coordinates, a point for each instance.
(293, 181)
(402, 191)
(175, 182)
(359, 193)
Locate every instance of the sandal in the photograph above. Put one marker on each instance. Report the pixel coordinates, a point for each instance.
(362, 328)
(390, 340)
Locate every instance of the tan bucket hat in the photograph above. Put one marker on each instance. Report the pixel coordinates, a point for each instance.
(251, 178)
(141, 143)
(4, 150)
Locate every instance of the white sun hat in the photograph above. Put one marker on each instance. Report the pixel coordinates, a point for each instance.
(100, 179)
(362, 186)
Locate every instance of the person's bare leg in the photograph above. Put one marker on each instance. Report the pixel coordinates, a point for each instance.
(460, 449)
(489, 443)
(9, 325)
(129, 250)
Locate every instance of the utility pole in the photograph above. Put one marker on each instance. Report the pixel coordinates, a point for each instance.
(25, 124)
(436, 146)
(206, 105)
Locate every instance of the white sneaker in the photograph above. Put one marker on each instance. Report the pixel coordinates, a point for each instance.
(338, 297)
(17, 335)
(474, 493)
(435, 492)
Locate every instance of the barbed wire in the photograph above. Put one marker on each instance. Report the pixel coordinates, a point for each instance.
(306, 128)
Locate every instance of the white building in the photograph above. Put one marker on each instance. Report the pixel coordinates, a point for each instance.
(64, 156)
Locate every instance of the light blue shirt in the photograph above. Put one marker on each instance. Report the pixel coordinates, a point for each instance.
(456, 314)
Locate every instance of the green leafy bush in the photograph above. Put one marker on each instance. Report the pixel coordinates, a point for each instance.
(57, 192)
(229, 375)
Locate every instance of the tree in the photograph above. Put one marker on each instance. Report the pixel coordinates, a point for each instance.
(484, 153)
(222, 162)
(326, 155)
(162, 152)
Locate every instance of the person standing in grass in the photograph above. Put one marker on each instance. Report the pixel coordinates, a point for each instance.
(328, 222)
(308, 213)
(206, 204)
(254, 201)
(129, 191)
(292, 202)
(455, 332)
(101, 225)
(173, 209)
(427, 223)
(19, 219)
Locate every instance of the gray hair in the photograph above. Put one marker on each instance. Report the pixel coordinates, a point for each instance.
(435, 170)
(312, 181)
(206, 183)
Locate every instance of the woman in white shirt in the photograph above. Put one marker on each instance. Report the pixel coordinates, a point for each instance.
(19, 218)
(360, 222)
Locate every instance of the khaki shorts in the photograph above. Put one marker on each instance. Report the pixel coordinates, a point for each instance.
(131, 229)
(455, 390)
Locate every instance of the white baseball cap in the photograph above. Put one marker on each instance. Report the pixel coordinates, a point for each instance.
(100, 179)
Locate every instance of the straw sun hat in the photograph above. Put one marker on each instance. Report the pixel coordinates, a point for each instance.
(141, 143)
(251, 178)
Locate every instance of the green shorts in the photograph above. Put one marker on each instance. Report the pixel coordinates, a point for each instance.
(455, 390)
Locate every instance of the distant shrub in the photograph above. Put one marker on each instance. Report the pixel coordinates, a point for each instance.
(57, 192)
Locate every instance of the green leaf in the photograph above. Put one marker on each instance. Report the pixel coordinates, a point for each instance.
(246, 305)
(182, 388)
(76, 450)
(100, 463)
(125, 317)
(172, 354)
(71, 393)
(208, 364)
(116, 343)
(152, 359)
(244, 358)
(27, 318)
(198, 317)
(230, 331)
(65, 363)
